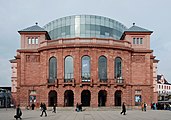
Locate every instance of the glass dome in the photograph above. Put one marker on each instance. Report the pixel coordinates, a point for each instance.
(85, 26)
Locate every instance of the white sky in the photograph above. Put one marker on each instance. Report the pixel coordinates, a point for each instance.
(153, 15)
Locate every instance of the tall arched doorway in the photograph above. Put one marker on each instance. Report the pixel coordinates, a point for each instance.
(85, 98)
(52, 98)
(118, 95)
(102, 97)
(68, 98)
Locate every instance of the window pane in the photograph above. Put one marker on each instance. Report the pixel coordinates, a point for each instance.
(138, 41)
(138, 100)
(141, 40)
(29, 40)
(134, 40)
(86, 68)
(68, 68)
(102, 68)
(52, 69)
(33, 41)
(36, 40)
(118, 68)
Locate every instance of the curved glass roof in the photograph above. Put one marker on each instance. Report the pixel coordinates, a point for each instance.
(85, 26)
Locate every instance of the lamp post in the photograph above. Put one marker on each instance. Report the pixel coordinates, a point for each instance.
(6, 99)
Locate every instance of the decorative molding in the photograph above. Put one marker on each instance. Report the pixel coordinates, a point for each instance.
(32, 58)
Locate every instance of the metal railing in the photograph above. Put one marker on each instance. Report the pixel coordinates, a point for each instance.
(85, 77)
(69, 77)
(119, 80)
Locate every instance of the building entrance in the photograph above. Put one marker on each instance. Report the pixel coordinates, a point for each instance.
(102, 98)
(52, 98)
(85, 98)
(118, 94)
(68, 98)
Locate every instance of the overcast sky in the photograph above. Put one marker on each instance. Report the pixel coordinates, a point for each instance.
(153, 15)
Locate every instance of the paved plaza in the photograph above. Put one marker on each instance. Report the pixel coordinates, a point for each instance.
(94, 114)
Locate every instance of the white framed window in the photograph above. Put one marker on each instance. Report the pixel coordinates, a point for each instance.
(141, 40)
(134, 40)
(29, 40)
(137, 41)
(33, 41)
(36, 40)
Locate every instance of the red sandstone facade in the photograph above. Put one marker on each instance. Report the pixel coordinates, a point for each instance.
(33, 70)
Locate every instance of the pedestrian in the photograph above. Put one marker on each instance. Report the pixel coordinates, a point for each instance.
(123, 108)
(32, 106)
(54, 108)
(77, 107)
(80, 107)
(170, 107)
(145, 106)
(41, 106)
(18, 113)
(155, 106)
(43, 110)
(142, 106)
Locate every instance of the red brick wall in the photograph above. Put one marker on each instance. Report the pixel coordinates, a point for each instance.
(33, 75)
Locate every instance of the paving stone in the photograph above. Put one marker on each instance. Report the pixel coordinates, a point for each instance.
(88, 115)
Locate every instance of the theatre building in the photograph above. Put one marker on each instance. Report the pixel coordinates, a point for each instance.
(86, 59)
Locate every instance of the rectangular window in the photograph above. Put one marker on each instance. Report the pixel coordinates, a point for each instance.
(134, 40)
(137, 100)
(138, 41)
(36, 40)
(33, 41)
(141, 40)
(29, 40)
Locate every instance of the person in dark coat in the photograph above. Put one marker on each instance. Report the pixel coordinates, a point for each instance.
(41, 106)
(80, 106)
(54, 108)
(145, 106)
(32, 106)
(77, 107)
(123, 109)
(43, 110)
(18, 113)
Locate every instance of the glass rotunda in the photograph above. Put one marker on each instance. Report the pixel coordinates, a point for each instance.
(85, 26)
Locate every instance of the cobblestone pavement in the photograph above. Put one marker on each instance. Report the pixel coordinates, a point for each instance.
(64, 114)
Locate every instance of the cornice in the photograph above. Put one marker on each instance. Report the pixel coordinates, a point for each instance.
(84, 46)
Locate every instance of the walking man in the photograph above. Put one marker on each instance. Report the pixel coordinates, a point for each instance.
(18, 113)
(54, 108)
(123, 109)
(43, 110)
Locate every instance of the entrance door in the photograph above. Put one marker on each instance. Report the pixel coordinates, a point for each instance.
(68, 98)
(102, 97)
(52, 98)
(85, 98)
(118, 98)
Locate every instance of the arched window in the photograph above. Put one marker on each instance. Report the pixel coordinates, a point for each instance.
(52, 69)
(102, 68)
(85, 75)
(69, 69)
(118, 68)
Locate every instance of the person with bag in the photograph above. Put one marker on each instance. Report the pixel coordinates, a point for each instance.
(18, 113)
(43, 110)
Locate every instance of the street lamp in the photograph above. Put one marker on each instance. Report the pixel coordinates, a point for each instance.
(6, 98)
